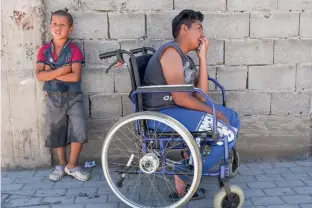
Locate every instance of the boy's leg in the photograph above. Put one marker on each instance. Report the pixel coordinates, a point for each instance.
(56, 131)
(61, 153)
(76, 148)
(77, 135)
(230, 114)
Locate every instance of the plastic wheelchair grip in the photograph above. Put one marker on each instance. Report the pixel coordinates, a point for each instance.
(107, 54)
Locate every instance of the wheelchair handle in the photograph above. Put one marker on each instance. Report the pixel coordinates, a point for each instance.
(109, 54)
(119, 52)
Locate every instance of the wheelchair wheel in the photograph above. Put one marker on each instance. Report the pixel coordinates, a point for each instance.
(234, 163)
(139, 163)
(235, 199)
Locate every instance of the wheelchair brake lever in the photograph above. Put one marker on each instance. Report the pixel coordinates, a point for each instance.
(120, 60)
(110, 66)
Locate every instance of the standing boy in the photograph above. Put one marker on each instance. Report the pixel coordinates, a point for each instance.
(59, 65)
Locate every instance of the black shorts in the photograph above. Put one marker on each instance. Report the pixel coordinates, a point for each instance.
(65, 119)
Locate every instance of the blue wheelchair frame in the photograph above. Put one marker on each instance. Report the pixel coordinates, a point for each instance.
(138, 90)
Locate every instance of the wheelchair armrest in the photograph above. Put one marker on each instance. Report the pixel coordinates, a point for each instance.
(180, 88)
(165, 88)
(221, 87)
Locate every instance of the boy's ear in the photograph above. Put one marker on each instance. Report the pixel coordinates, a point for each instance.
(71, 29)
(183, 28)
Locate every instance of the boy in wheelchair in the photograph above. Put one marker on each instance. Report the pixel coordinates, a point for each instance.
(171, 66)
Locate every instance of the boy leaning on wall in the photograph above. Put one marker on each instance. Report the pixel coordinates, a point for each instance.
(59, 65)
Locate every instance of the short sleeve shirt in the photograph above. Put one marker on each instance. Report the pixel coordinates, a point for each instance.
(69, 54)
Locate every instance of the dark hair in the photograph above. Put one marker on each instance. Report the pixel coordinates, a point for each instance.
(63, 13)
(187, 17)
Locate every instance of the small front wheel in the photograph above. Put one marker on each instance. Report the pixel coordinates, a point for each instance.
(233, 200)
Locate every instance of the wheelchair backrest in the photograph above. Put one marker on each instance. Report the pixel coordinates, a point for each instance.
(138, 66)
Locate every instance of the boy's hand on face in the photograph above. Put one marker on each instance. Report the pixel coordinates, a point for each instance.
(202, 51)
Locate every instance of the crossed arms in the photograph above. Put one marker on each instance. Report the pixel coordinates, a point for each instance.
(66, 73)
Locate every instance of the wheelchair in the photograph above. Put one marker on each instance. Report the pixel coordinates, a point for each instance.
(144, 150)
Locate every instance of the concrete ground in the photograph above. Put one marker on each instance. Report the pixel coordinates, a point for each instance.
(266, 185)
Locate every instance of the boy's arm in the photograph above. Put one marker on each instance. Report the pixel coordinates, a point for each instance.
(75, 74)
(76, 66)
(46, 75)
(171, 63)
(44, 72)
(203, 73)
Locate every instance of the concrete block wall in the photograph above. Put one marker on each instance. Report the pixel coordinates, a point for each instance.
(259, 50)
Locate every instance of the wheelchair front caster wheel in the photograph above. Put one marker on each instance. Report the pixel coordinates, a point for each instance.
(234, 163)
(235, 199)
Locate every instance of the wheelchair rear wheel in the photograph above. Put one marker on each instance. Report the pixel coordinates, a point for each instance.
(136, 164)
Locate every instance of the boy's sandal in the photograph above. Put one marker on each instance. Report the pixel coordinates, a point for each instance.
(78, 173)
(57, 174)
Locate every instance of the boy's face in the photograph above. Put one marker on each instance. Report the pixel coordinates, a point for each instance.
(60, 28)
(194, 34)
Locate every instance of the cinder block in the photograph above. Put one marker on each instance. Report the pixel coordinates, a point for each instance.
(102, 5)
(59, 4)
(127, 106)
(122, 80)
(159, 25)
(248, 52)
(106, 106)
(232, 78)
(163, 5)
(132, 44)
(226, 25)
(292, 51)
(274, 24)
(201, 5)
(215, 53)
(126, 25)
(133, 5)
(212, 72)
(93, 48)
(95, 79)
(273, 77)
(249, 103)
(251, 5)
(284, 103)
(305, 24)
(295, 4)
(304, 76)
(90, 25)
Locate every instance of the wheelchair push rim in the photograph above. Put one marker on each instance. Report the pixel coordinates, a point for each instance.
(147, 162)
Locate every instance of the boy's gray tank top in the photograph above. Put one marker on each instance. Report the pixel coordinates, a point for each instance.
(154, 76)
